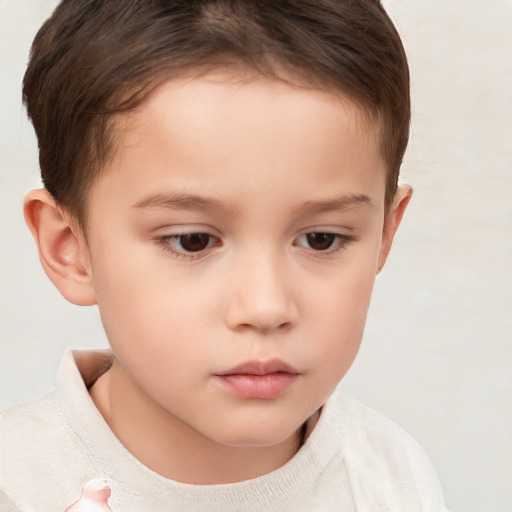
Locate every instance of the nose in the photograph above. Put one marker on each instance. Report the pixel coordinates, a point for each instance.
(261, 295)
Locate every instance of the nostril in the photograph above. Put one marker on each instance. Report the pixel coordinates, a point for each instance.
(265, 328)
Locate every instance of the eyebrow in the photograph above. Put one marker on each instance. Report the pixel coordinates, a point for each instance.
(194, 202)
(339, 203)
(185, 202)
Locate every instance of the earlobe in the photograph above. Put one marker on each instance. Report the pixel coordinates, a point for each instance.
(62, 249)
(392, 221)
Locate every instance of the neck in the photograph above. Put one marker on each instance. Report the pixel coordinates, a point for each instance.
(166, 445)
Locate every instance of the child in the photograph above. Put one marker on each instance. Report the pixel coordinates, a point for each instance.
(221, 179)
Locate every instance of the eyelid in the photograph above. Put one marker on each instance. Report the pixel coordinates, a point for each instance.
(341, 243)
(174, 232)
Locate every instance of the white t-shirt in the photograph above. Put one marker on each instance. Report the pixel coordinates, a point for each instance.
(354, 460)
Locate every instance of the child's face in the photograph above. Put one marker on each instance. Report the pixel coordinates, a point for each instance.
(240, 223)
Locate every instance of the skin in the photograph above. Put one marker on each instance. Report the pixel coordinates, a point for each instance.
(256, 165)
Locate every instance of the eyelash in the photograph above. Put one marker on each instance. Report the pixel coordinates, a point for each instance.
(339, 244)
(166, 243)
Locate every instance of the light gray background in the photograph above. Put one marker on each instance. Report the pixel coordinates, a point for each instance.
(437, 353)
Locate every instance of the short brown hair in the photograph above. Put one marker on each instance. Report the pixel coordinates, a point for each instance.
(93, 59)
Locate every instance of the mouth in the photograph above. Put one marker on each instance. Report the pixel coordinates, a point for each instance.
(258, 380)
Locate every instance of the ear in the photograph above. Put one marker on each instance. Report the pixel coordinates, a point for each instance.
(62, 248)
(392, 221)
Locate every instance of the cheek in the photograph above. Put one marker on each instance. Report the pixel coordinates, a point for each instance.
(135, 279)
(340, 317)
(152, 315)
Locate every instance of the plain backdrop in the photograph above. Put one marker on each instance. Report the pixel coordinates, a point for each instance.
(437, 352)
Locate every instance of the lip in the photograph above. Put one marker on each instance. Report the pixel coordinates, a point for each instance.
(260, 368)
(259, 380)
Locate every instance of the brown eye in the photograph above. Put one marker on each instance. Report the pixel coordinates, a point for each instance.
(189, 246)
(193, 242)
(320, 241)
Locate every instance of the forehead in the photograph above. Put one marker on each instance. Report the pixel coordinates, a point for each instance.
(243, 97)
(235, 88)
(227, 131)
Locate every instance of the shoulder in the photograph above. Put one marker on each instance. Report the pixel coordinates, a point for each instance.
(38, 448)
(383, 459)
(39, 411)
(28, 432)
(26, 428)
